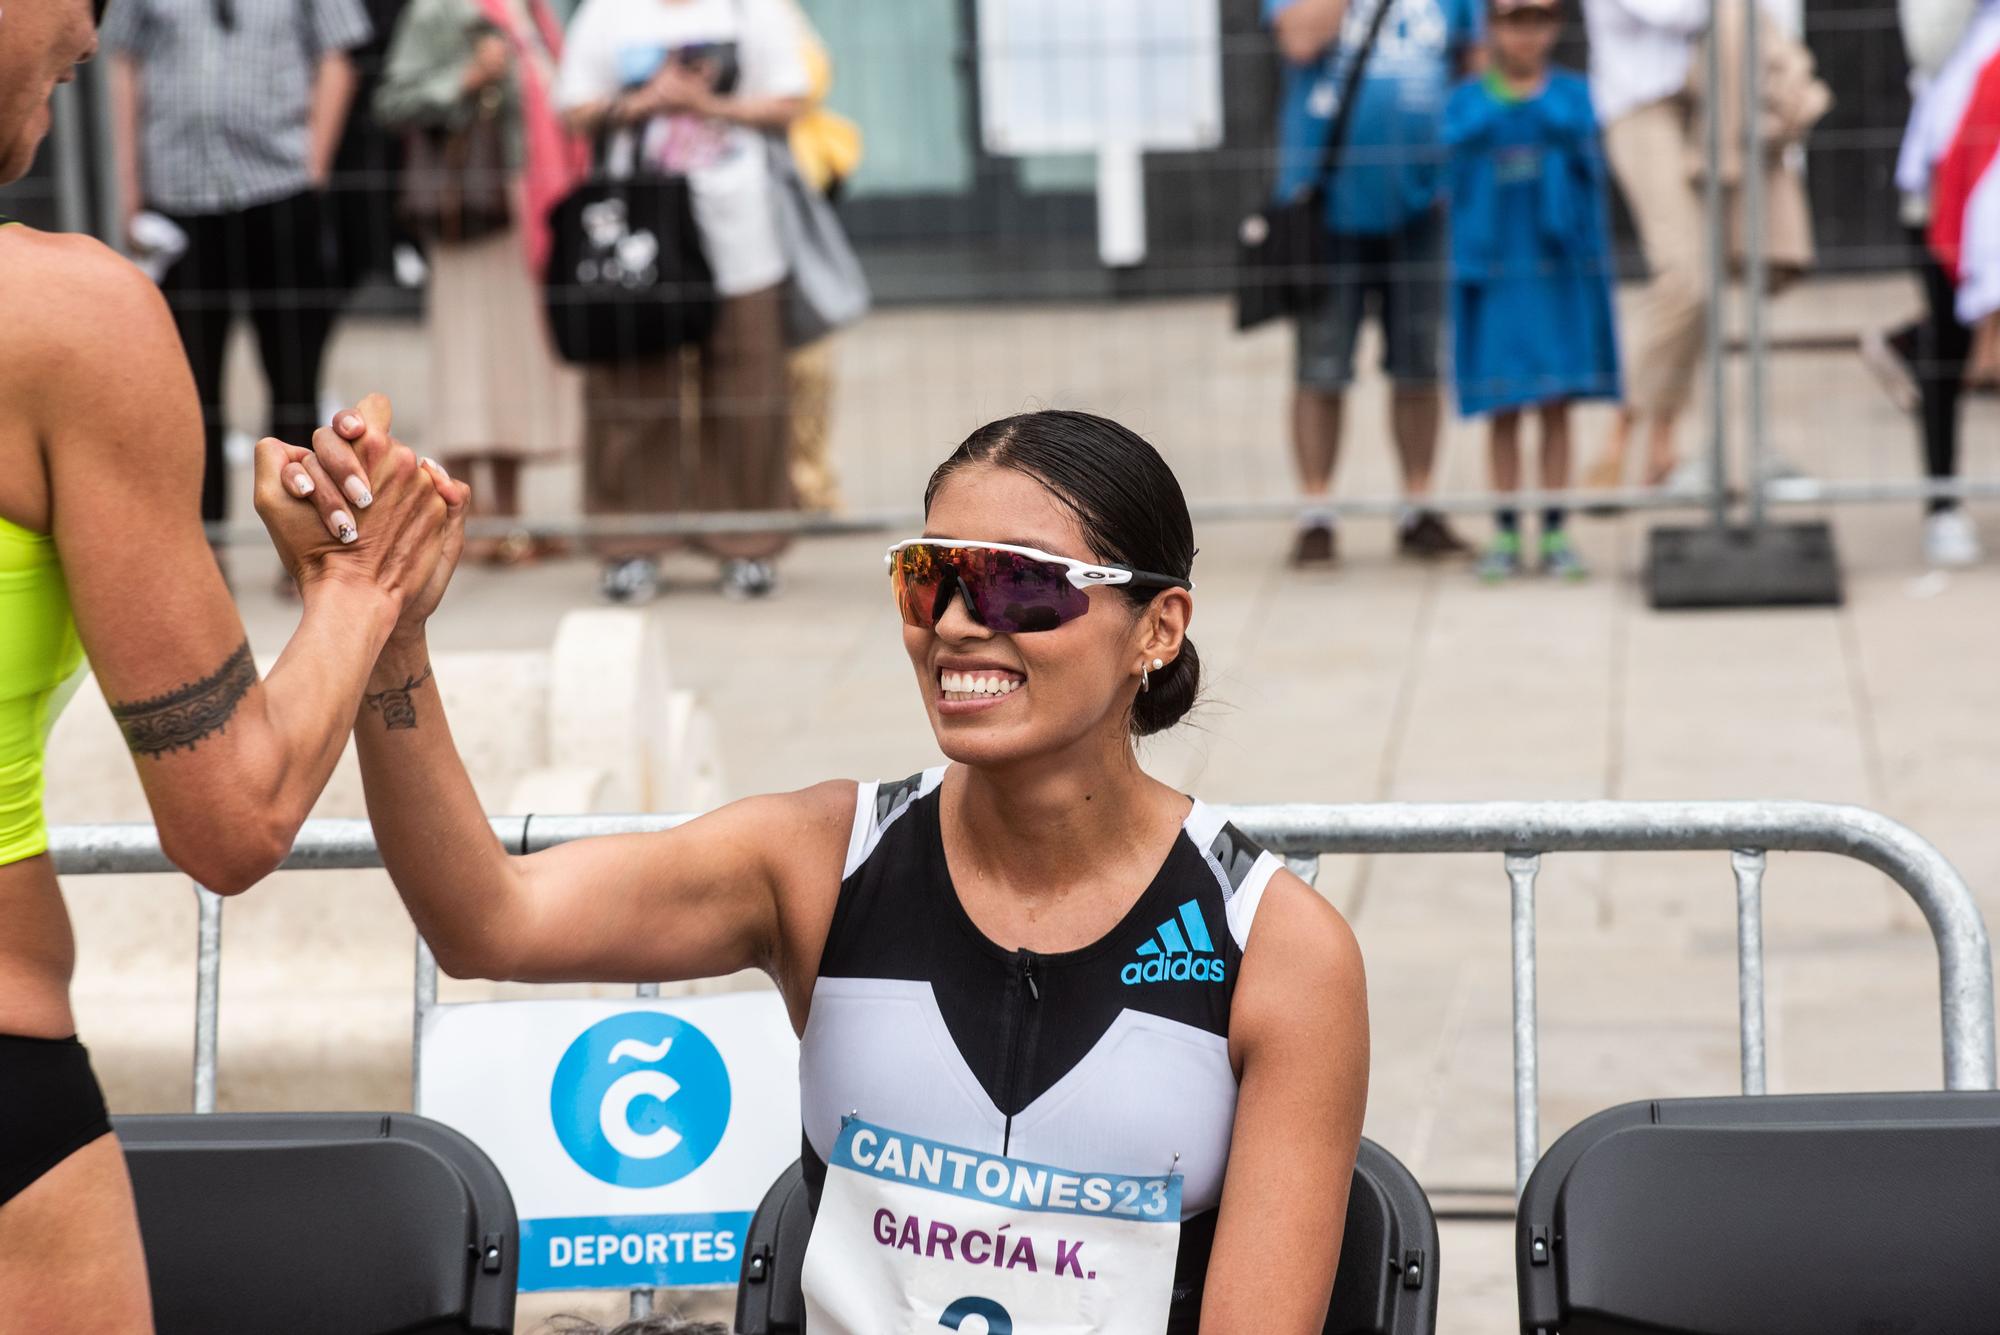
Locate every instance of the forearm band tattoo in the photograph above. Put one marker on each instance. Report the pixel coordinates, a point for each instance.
(398, 710)
(184, 716)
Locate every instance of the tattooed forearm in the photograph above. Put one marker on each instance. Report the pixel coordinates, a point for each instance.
(182, 717)
(397, 709)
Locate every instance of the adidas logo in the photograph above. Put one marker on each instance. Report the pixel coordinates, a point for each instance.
(1177, 956)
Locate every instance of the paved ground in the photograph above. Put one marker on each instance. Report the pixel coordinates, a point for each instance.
(1377, 681)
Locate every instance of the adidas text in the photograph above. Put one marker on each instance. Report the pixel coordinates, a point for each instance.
(1206, 969)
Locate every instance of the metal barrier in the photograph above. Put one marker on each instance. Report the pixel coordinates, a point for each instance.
(1521, 832)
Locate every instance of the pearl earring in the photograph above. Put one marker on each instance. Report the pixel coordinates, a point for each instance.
(1158, 664)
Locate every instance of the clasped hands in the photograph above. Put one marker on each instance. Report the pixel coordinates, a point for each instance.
(361, 507)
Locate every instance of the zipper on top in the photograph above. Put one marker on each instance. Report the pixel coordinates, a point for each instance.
(1021, 1014)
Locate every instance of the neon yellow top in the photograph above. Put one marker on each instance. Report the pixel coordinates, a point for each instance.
(39, 660)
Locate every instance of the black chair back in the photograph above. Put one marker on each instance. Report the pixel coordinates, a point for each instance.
(1773, 1215)
(321, 1224)
(1386, 1283)
(1387, 1280)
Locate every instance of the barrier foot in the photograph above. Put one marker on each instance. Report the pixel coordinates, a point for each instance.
(1771, 565)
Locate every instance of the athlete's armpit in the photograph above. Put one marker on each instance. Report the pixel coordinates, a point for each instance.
(184, 716)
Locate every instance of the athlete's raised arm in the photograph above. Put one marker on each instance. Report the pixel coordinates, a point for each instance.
(748, 886)
(230, 765)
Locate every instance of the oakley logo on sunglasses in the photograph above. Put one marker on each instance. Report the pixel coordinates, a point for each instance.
(1008, 589)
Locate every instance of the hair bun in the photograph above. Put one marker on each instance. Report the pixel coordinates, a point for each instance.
(1170, 694)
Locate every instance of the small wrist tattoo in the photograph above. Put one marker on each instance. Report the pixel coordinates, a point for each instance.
(398, 710)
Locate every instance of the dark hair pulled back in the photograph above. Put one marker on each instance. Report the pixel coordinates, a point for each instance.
(1130, 507)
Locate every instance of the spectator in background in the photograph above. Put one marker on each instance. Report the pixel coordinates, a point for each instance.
(1641, 54)
(460, 69)
(1384, 203)
(1530, 264)
(367, 171)
(1930, 30)
(827, 148)
(695, 85)
(226, 116)
(1949, 42)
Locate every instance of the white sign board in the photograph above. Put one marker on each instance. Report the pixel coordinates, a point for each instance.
(637, 1136)
(1109, 77)
(1075, 76)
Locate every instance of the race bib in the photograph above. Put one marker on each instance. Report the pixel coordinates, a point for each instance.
(914, 1236)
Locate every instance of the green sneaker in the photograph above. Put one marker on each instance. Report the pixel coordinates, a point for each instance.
(1559, 559)
(1501, 559)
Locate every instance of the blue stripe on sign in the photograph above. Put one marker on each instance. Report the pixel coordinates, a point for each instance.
(895, 1156)
(632, 1251)
(1197, 930)
(1171, 938)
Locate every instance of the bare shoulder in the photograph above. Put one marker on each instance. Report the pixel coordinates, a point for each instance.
(814, 820)
(98, 323)
(75, 279)
(797, 836)
(1302, 947)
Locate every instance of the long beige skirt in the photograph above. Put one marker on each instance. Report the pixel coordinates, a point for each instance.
(496, 386)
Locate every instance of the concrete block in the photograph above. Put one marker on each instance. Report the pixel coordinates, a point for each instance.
(609, 703)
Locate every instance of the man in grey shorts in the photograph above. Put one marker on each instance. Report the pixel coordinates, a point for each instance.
(1384, 203)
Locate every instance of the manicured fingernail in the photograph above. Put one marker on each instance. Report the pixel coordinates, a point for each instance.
(343, 526)
(348, 424)
(435, 467)
(302, 484)
(357, 491)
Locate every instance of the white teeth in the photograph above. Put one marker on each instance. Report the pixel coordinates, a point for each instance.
(976, 685)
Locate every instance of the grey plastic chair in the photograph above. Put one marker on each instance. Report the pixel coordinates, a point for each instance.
(321, 1224)
(1386, 1283)
(1774, 1215)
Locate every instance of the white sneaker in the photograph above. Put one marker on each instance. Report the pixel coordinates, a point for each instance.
(1951, 540)
(410, 267)
(633, 580)
(742, 580)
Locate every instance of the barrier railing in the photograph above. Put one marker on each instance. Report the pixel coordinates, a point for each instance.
(1521, 832)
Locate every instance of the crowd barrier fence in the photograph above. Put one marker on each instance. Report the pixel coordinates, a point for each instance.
(1520, 832)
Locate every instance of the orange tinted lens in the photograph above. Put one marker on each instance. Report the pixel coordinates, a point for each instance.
(914, 575)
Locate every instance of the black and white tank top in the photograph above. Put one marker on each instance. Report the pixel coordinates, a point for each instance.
(1114, 1057)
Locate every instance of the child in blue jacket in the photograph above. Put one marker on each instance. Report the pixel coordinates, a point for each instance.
(1530, 263)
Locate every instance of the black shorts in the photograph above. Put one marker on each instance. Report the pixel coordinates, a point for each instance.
(53, 1107)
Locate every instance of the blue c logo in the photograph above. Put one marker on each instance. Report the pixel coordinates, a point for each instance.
(640, 1099)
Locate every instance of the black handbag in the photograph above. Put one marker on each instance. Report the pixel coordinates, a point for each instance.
(1284, 250)
(627, 279)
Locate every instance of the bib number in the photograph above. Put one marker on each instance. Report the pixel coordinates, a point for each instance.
(906, 1226)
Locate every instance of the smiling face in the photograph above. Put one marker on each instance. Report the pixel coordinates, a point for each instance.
(996, 699)
(41, 44)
